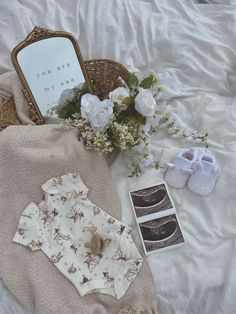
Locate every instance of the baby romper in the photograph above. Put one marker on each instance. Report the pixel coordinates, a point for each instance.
(65, 225)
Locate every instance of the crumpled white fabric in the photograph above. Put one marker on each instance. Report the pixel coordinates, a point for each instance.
(193, 44)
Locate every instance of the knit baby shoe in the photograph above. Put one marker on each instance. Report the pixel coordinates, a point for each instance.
(180, 168)
(206, 173)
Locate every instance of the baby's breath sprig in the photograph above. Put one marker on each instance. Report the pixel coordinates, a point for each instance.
(177, 131)
(125, 135)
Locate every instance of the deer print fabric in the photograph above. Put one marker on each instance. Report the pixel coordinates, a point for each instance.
(64, 223)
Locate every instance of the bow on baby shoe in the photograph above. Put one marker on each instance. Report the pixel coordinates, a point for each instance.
(170, 165)
(185, 170)
(197, 165)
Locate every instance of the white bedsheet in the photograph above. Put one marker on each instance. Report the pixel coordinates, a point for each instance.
(194, 45)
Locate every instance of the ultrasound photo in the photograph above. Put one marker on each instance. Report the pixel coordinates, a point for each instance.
(161, 233)
(151, 200)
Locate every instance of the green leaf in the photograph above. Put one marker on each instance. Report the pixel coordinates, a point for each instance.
(128, 101)
(140, 119)
(105, 96)
(147, 82)
(84, 88)
(132, 81)
(155, 78)
(160, 88)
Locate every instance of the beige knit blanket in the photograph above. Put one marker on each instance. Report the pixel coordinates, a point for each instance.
(29, 156)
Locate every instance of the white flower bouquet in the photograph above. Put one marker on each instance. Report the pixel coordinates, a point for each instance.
(124, 120)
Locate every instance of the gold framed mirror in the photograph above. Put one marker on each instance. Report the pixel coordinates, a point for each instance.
(48, 63)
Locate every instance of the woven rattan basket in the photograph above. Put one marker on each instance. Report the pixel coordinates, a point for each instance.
(103, 73)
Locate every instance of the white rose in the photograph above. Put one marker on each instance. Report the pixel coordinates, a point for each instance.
(67, 94)
(119, 94)
(101, 115)
(145, 103)
(88, 102)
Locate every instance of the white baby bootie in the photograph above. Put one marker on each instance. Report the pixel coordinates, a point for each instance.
(206, 173)
(180, 168)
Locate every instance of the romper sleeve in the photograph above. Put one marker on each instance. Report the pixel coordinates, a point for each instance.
(69, 185)
(28, 232)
